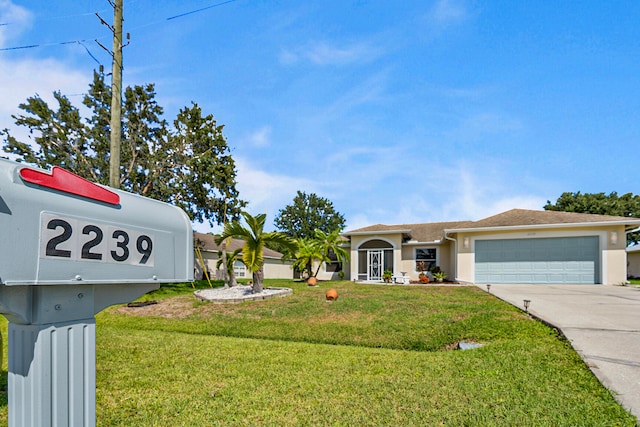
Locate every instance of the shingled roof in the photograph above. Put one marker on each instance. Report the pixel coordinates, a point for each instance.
(425, 232)
(525, 217)
(206, 242)
(434, 231)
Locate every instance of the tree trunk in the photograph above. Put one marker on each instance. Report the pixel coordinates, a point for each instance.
(224, 263)
(257, 281)
(232, 279)
(310, 269)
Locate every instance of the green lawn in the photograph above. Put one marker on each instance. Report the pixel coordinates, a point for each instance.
(379, 355)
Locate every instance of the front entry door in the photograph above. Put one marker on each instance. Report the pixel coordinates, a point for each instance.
(375, 265)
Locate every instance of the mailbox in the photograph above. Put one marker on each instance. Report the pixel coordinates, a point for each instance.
(58, 229)
(68, 249)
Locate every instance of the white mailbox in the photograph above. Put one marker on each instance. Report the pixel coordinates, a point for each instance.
(68, 249)
(58, 228)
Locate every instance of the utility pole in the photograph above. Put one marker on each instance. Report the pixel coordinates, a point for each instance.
(116, 90)
(116, 96)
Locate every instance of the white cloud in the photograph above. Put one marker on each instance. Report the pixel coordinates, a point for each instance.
(469, 191)
(260, 137)
(267, 192)
(448, 12)
(477, 126)
(323, 53)
(479, 192)
(21, 78)
(288, 57)
(13, 20)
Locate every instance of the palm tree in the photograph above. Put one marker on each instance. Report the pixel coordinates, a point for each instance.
(231, 261)
(308, 251)
(328, 243)
(254, 238)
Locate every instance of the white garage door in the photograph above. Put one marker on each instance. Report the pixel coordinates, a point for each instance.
(546, 260)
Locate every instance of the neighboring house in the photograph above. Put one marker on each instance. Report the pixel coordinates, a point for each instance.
(633, 262)
(274, 268)
(517, 246)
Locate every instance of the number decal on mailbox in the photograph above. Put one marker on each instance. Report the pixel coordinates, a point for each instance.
(86, 248)
(63, 237)
(52, 244)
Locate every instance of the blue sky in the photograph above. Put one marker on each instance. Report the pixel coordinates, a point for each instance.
(396, 111)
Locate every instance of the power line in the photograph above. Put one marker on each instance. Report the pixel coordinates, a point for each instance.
(80, 41)
(89, 52)
(31, 46)
(200, 10)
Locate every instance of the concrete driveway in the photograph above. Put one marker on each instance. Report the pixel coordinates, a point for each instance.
(601, 322)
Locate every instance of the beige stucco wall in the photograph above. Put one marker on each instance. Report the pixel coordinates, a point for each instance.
(444, 258)
(323, 274)
(633, 263)
(614, 271)
(407, 263)
(276, 269)
(404, 254)
(395, 239)
(612, 255)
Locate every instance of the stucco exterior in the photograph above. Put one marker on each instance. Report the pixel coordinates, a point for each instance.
(612, 259)
(633, 262)
(404, 254)
(454, 244)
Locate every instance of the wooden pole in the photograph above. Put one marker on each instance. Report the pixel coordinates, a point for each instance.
(116, 96)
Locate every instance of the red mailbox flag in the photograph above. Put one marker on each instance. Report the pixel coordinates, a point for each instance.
(65, 181)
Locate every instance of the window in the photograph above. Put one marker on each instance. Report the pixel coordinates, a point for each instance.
(239, 269)
(425, 259)
(332, 266)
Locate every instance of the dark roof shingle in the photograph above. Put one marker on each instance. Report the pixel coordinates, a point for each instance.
(424, 232)
(434, 231)
(518, 217)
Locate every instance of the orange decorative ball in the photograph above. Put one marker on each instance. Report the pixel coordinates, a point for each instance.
(332, 295)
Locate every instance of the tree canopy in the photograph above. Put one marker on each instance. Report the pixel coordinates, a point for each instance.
(627, 205)
(308, 213)
(187, 163)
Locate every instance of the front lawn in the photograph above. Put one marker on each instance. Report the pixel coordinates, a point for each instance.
(379, 355)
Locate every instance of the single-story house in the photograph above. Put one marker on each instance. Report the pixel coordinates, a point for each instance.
(274, 268)
(517, 246)
(633, 262)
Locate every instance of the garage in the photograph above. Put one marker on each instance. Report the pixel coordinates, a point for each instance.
(571, 260)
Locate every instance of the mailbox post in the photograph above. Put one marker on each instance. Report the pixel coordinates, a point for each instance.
(68, 249)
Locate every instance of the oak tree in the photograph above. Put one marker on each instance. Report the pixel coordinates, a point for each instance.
(187, 163)
(627, 205)
(306, 214)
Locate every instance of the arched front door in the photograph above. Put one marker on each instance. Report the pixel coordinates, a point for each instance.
(374, 257)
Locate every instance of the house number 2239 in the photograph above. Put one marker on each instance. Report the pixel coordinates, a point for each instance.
(76, 239)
